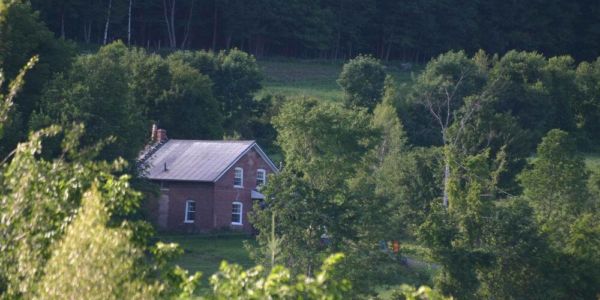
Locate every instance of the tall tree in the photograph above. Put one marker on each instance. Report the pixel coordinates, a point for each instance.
(362, 80)
(324, 144)
(24, 35)
(96, 93)
(450, 89)
(236, 78)
(556, 185)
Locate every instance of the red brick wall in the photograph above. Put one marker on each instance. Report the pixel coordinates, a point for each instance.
(213, 200)
(226, 194)
(179, 193)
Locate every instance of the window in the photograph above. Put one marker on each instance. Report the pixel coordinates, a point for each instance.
(238, 179)
(190, 211)
(236, 213)
(261, 177)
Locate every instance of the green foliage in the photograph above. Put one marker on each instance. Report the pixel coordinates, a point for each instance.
(188, 108)
(23, 36)
(236, 77)
(39, 198)
(323, 141)
(301, 220)
(323, 200)
(95, 92)
(362, 79)
(14, 88)
(587, 109)
(234, 283)
(408, 292)
(93, 261)
(445, 86)
(523, 262)
(44, 230)
(556, 184)
(525, 82)
(404, 30)
(118, 92)
(406, 177)
(486, 248)
(385, 118)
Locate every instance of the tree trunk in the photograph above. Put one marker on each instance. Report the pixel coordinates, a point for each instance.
(107, 22)
(446, 180)
(129, 24)
(337, 44)
(174, 41)
(169, 14)
(62, 24)
(187, 26)
(228, 42)
(87, 31)
(215, 19)
(387, 52)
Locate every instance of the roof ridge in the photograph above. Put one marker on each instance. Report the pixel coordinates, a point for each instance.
(216, 141)
(150, 151)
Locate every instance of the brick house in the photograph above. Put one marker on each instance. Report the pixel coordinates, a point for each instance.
(204, 185)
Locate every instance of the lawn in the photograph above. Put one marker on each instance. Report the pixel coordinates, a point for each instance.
(205, 253)
(311, 78)
(301, 78)
(592, 161)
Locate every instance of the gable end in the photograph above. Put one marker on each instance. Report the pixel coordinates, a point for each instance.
(260, 152)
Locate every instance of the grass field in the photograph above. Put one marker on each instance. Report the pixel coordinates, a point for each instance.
(205, 253)
(592, 161)
(310, 78)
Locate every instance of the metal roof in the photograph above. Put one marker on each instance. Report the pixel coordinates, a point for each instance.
(257, 195)
(194, 160)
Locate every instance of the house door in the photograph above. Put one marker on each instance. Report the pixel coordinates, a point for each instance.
(163, 209)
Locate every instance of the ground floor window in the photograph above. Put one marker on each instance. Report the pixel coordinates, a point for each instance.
(236, 213)
(190, 211)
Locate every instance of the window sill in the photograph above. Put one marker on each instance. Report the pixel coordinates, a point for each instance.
(188, 222)
(237, 224)
(238, 186)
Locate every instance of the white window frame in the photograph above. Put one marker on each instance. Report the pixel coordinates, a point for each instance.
(241, 185)
(187, 211)
(264, 177)
(241, 213)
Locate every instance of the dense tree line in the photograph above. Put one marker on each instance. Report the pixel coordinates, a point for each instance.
(404, 30)
(119, 91)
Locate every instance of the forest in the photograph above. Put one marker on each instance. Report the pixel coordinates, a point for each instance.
(405, 30)
(477, 160)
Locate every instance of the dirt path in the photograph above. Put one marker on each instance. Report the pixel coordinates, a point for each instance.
(419, 264)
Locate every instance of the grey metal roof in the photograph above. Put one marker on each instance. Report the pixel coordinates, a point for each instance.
(256, 195)
(193, 160)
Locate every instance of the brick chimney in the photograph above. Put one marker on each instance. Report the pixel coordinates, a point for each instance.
(158, 135)
(161, 136)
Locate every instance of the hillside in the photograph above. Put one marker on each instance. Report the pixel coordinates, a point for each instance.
(313, 78)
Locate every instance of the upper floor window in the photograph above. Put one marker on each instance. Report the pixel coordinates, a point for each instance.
(190, 211)
(261, 177)
(238, 179)
(236, 213)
